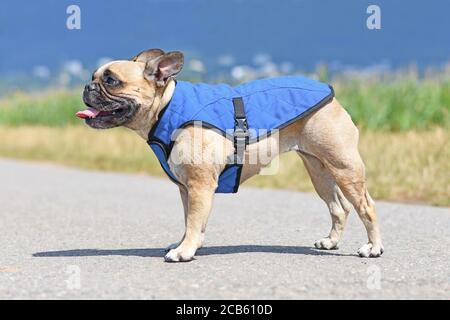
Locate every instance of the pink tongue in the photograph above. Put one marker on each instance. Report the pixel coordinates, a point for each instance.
(89, 113)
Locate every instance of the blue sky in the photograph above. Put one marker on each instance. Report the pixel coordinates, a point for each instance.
(304, 32)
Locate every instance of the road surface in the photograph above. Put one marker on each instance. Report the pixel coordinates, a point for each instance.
(68, 233)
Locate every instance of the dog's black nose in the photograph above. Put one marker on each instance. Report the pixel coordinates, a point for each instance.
(90, 87)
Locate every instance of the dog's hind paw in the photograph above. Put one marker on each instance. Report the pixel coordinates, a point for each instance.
(326, 244)
(370, 251)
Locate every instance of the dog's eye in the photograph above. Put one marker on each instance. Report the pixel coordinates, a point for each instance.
(111, 81)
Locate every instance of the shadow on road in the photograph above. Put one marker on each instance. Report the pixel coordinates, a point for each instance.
(206, 251)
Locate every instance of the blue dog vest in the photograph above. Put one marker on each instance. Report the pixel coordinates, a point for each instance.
(249, 112)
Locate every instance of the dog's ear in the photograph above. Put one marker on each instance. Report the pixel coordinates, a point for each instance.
(164, 67)
(147, 55)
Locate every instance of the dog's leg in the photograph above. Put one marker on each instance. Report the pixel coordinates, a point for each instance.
(184, 199)
(197, 167)
(199, 204)
(330, 135)
(351, 180)
(329, 191)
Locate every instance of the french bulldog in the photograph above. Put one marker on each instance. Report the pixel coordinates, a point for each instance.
(134, 93)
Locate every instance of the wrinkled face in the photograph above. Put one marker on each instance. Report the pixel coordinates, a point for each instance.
(115, 94)
(121, 91)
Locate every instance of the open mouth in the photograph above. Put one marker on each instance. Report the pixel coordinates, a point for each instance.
(92, 113)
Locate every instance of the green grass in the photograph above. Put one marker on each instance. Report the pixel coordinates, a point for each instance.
(396, 105)
(51, 108)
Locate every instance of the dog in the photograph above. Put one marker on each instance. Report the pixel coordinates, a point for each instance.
(136, 93)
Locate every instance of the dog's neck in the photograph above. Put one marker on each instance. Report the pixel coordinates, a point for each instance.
(143, 127)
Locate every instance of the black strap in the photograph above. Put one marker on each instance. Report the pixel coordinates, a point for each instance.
(241, 136)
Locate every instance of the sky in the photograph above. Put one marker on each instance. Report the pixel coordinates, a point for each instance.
(303, 32)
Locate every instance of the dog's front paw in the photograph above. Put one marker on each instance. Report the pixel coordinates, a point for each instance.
(180, 254)
(370, 250)
(177, 244)
(326, 244)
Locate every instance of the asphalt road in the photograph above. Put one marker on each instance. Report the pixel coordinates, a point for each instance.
(68, 233)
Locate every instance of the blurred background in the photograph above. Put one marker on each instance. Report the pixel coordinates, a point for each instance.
(394, 81)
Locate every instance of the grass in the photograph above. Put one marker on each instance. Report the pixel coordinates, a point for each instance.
(394, 106)
(51, 108)
(397, 106)
(409, 166)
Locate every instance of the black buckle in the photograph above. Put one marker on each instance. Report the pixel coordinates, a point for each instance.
(241, 127)
(241, 139)
(241, 135)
